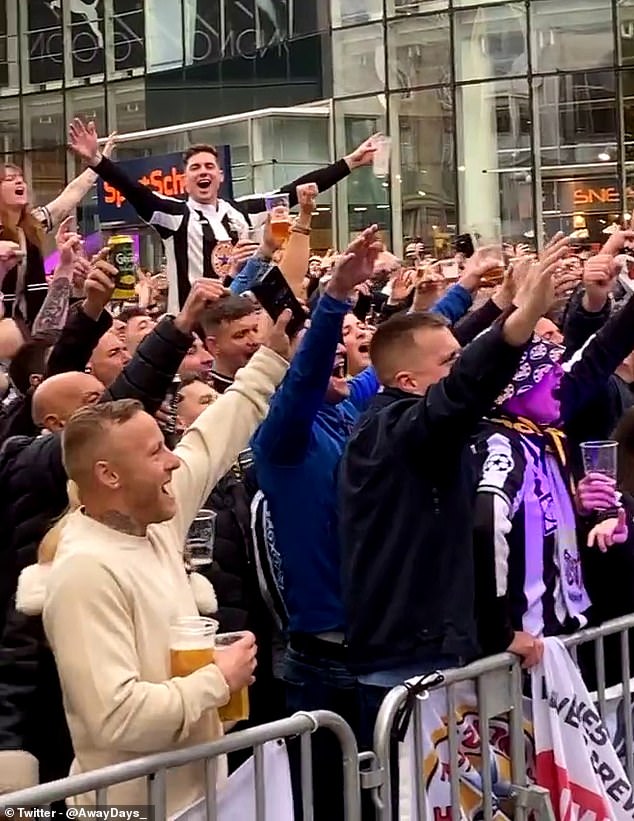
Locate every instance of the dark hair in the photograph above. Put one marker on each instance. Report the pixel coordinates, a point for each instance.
(29, 360)
(227, 309)
(200, 148)
(131, 313)
(396, 335)
(624, 435)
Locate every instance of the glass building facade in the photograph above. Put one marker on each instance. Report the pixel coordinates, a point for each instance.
(508, 119)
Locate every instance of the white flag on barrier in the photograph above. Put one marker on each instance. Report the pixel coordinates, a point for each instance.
(575, 759)
(236, 798)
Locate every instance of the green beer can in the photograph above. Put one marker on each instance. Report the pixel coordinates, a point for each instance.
(122, 257)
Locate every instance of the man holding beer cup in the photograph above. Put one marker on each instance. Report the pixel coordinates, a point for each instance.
(118, 600)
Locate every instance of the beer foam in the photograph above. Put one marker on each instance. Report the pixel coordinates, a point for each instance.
(193, 643)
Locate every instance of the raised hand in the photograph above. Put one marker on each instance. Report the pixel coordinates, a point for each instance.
(363, 154)
(242, 252)
(599, 274)
(277, 339)
(84, 141)
(110, 144)
(306, 197)
(99, 287)
(356, 264)
(486, 266)
(69, 243)
(10, 255)
(617, 241)
(402, 286)
(202, 294)
(536, 294)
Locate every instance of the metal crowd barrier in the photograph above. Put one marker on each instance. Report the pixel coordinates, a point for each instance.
(154, 768)
(499, 687)
(499, 682)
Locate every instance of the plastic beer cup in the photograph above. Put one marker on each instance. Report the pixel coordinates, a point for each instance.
(237, 708)
(192, 644)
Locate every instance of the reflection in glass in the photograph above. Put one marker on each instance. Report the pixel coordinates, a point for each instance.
(10, 133)
(358, 56)
(126, 106)
(354, 12)
(491, 42)
(494, 169)
(9, 47)
(365, 198)
(577, 118)
(428, 195)
(43, 43)
(43, 121)
(87, 103)
(419, 51)
(564, 42)
(402, 8)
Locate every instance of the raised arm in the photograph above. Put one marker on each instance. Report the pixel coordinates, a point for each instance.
(65, 203)
(454, 406)
(164, 213)
(212, 444)
(324, 178)
(285, 435)
(294, 263)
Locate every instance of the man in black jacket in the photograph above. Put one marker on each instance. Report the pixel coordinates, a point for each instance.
(406, 492)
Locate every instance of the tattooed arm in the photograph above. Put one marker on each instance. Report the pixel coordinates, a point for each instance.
(54, 311)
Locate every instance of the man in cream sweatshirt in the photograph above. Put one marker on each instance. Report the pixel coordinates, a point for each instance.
(118, 579)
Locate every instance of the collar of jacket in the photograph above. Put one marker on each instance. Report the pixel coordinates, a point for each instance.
(394, 394)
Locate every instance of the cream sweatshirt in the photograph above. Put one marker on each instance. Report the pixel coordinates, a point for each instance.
(110, 599)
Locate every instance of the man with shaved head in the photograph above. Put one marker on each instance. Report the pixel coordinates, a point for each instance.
(58, 397)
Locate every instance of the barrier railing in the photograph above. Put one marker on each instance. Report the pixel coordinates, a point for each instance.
(499, 687)
(154, 768)
(499, 691)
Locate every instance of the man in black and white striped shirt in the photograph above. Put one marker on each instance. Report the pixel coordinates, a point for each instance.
(198, 233)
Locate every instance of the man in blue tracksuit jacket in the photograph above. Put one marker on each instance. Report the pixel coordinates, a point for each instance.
(297, 450)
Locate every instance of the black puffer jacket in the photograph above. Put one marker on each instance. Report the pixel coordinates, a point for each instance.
(32, 477)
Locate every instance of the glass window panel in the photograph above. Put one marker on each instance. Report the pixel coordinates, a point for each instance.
(125, 35)
(628, 113)
(577, 119)
(10, 133)
(126, 106)
(491, 42)
(291, 140)
(164, 34)
(403, 8)
(494, 167)
(565, 39)
(87, 39)
(88, 103)
(351, 12)
(9, 48)
(428, 182)
(625, 17)
(42, 44)
(365, 198)
(458, 4)
(358, 60)
(419, 51)
(43, 120)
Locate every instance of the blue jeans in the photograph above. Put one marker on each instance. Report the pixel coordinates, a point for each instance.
(318, 683)
(371, 697)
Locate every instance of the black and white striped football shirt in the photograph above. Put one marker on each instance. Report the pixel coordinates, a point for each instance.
(191, 231)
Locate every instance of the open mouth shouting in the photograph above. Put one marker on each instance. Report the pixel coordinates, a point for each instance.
(204, 184)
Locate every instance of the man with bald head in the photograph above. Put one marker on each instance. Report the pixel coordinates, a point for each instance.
(59, 396)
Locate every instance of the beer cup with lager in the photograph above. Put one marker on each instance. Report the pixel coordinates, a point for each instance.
(237, 708)
(279, 207)
(192, 643)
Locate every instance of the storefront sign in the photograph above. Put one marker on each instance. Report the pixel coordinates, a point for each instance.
(163, 174)
(591, 196)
